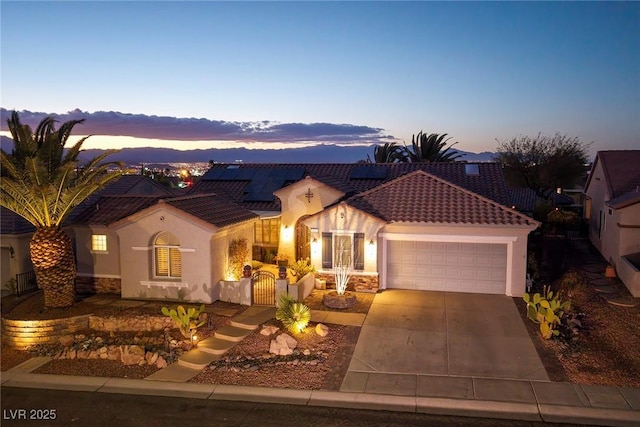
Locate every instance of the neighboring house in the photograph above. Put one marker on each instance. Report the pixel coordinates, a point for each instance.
(432, 226)
(15, 235)
(612, 207)
(526, 200)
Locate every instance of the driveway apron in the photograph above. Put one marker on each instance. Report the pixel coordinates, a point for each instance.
(446, 334)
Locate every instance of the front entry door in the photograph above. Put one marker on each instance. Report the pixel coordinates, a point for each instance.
(303, 241)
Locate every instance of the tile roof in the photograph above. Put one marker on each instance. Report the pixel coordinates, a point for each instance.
(423, 197)
(111, 208)
(621, 169)
(207, 207)
(350, 178)
(12, 223)
(214, 210)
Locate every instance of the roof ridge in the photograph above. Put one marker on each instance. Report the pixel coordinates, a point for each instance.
(189, 197)
(445, 182)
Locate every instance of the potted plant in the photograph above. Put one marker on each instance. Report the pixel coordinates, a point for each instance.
(281, 260)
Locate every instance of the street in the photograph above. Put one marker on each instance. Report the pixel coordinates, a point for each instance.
(28, 407)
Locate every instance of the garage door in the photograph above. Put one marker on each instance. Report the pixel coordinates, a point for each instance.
(444, 266)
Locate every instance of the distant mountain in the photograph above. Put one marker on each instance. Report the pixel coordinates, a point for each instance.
(316, 154)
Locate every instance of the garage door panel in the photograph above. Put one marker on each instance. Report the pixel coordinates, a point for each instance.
(447, 266)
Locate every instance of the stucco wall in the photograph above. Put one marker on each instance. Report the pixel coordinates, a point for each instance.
(597, 192)
(136, 258)
(21, 261)
(96, 264)
(345, 218)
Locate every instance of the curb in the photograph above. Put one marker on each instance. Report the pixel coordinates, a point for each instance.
(379, 402)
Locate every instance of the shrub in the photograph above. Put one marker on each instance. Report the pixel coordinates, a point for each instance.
(547, 310)
(295, 316)
(256, 265)
(185, 320)
(238, 253)
(570, 281)
(301, 267)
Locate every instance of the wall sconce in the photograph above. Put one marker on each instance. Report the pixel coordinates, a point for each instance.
(286, 226)
(12, 253)
(314, 240)
(371, 242)
(314, 229)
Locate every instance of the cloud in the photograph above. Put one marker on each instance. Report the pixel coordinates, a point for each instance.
(114, 123)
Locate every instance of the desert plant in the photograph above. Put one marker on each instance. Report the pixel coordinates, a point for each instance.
(238, 253)
(302, 267)
(546, 309)
(295, 316)
(185, 319)
(570, 282)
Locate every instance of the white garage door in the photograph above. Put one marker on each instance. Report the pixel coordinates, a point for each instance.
(445, 266)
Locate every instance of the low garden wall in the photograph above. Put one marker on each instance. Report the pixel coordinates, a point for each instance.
(24, 334)
(303, 287)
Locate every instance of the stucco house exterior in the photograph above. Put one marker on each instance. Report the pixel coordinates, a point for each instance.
(612, 208)
(433, 226)
(15, 235)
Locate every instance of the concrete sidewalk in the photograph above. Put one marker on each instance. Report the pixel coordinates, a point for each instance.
(506, 399)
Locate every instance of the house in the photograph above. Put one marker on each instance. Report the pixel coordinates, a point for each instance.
(431, 226)
(527, 201)
(15, 260)
(612, 207)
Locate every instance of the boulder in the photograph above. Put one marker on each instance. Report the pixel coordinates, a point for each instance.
(161, 363)
(283, 345)
(322, 329)
(131, 354)
(66, 340)
(269, 330)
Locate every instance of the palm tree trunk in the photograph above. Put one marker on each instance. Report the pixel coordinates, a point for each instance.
(54, 265)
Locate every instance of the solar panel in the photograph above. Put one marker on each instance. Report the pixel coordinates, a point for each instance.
(368, 172)
(258, 197)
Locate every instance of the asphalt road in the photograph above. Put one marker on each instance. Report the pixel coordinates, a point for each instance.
(26, 407)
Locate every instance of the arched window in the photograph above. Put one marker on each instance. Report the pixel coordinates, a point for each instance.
(167, 256)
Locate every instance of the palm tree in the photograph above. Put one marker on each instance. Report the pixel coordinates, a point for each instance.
(388, 153)
(42, 183)
(429, 148)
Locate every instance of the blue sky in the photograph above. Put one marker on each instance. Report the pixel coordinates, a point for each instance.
(295, 72)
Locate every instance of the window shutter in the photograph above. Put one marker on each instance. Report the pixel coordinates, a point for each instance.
(176, 262)
(327, 250)
(162, 262)
(358, 247)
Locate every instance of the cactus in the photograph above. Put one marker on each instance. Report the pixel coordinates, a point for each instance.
(186, 320)
(547, 310)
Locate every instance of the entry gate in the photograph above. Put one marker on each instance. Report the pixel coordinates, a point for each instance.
(263, 285)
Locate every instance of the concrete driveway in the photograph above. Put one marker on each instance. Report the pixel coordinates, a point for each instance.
(446, 334)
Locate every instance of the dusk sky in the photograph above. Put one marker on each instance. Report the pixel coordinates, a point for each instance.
(209, 74)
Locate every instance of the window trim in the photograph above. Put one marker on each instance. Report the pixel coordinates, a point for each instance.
(171, 249)
(357, 249)
(104, 242)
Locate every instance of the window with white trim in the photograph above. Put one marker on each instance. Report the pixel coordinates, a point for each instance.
(167, 256)
(99, 243)
(344, 248)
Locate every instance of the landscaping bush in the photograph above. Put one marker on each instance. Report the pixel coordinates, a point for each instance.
(301, 267)
(238, 253)
(295, 316)
(547, 309)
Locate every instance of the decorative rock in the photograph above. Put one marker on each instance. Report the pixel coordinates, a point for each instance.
(161, 363)
(306, 352)
(71, 354)
(283, 345)
(82, 354)
(269, 330)
(322, 329)
(113, 353)
(66, 340)
(131, 354)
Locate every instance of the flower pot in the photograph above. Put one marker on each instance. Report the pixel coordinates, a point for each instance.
(610, 272)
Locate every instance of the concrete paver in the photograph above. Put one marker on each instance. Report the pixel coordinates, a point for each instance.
(549, 393)
(503, 390)
(445, 386)
(632, 395)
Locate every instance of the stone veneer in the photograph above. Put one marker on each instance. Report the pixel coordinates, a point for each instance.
(97, 285)
(358, 283)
